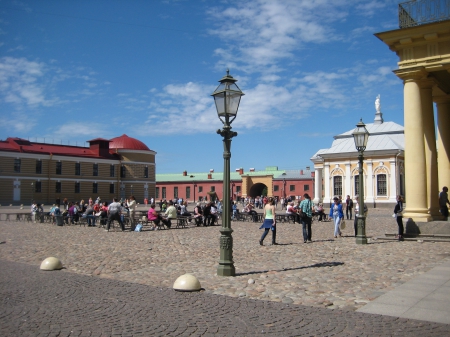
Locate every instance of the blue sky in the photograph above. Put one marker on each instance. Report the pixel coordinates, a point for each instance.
(78, 70)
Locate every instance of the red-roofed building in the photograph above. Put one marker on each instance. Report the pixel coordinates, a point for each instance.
(45, 172)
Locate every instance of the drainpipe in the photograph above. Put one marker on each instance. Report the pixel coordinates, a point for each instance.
(48, 178)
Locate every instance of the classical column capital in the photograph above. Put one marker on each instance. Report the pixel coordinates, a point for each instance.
(412, 74)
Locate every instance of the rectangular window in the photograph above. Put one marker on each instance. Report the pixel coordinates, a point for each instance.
(200, 188)
(95, 170)
(381, 184)
(188, 192)
(291, 188)
(111, 188)
(146, 172)
(94, 187)
(213, 188)
(77, 169)
(306, 188)
(122, 171)
(357, 185)
(337, 185)
(157, 193)
(58, 187)
(238, 189)
(175, 192)
(163, 192)
(276, 188)
(59, 167)
(17, 163)
(112, 171)
(38, 167)
(38, 187)
(77, 187)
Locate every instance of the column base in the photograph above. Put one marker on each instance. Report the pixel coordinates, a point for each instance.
(417, 215)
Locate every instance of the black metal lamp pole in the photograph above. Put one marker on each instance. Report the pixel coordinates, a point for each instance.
(361, 136)
(227, 97)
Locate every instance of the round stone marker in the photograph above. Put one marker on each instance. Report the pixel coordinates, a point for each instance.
(187, 282)
(51, 263)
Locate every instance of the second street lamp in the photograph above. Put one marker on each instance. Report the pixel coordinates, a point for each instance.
(227, 97)
(361, 136)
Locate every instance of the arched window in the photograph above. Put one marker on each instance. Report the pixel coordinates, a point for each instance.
(337, 185)
(381, 184)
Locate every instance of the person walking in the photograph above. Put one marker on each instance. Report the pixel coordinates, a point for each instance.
(131, 204)
(443, 201)
(337, 215)
(348, 207)
(114, 210)
(399, 217)
(269, 222)
(306, 217)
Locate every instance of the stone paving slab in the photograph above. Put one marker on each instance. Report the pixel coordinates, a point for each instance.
(61, 303)
(332, 273)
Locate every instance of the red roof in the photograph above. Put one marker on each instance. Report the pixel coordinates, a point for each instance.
(25, 146)
(128, 143)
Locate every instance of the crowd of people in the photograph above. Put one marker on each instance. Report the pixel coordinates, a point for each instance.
(208, 213)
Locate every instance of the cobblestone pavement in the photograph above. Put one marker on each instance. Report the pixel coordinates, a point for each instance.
(43, 303)
(327, 273)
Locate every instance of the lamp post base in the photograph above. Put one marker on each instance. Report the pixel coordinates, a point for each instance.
(226, 270)
(361, 237)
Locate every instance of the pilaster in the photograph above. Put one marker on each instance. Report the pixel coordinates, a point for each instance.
(443, 140)
(318, 185)
(369, 183)
(326, 179)
(348, 181)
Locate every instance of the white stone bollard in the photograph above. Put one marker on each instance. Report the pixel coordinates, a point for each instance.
(51, 263)
(187, 282)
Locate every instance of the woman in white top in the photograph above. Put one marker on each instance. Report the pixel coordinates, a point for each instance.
(131, 203)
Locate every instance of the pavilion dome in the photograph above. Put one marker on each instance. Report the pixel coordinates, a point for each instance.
(128, 143)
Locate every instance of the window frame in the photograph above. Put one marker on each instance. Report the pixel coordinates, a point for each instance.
(337, 185)
(95, 170)
(38, 166)
(58, 168)
(78, 169)
(383, 183)
(17, 165)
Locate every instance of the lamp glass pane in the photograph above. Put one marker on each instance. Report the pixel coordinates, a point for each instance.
(233, 99)
(219, 99)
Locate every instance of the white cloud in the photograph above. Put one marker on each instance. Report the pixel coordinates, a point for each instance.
(263, 32)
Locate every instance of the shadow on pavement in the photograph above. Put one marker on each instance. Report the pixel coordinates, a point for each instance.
(316, 265)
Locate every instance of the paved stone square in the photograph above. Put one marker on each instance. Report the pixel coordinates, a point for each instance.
(325, 274)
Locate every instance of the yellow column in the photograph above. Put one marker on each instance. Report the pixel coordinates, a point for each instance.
(415, 161)
(443, 140)
(430, 149)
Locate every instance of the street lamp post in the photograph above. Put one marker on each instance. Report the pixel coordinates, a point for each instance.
(227, 97)
(361, 136)
(131, 189)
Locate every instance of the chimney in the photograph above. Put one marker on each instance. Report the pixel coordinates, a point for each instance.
(241, 171)
(209, 176)
(252, 169)
(308, 168)
(313, 174)
(237, 170)
(301, 172)
(211, 171)
(184, 173)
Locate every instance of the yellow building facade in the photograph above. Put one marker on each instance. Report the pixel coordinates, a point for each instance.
(424, 68)
(46, 173)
